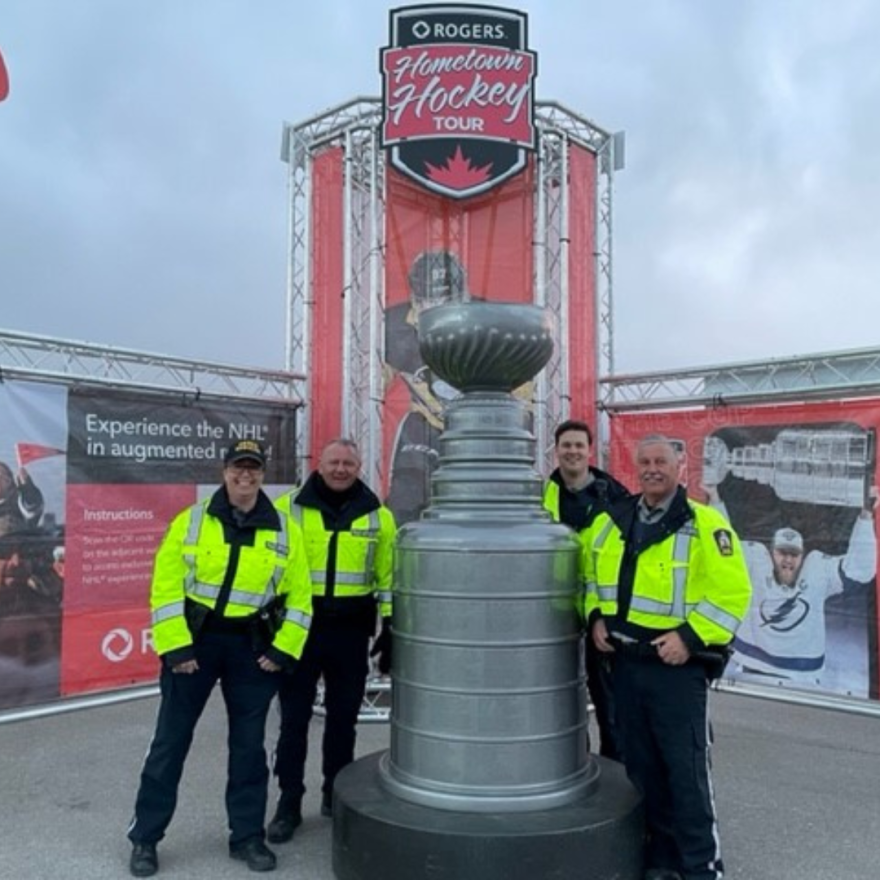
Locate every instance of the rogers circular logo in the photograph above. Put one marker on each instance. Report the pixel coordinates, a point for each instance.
(117, 645)
(421, 30)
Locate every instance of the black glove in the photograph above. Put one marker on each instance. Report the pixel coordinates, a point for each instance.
(382, 647)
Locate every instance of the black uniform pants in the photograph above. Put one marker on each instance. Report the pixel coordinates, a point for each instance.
(247, 692)
(340, 656)
(600, 686)
(662, 713)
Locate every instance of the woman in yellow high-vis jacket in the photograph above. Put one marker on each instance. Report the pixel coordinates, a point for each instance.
(231, 602)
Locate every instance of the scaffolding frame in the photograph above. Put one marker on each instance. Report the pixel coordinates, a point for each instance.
(354, 127)
(47, 359)
(829, 376)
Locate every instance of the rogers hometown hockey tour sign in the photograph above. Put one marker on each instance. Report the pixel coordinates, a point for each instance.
(458, 109)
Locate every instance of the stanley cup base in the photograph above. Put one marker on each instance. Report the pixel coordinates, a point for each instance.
(377, 835)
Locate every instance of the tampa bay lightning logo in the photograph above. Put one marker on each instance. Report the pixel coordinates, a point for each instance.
(784, 615)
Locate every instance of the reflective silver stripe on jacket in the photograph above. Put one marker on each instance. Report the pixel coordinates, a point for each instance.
(681, 550)
(372, 528)
(300, 618)
(206, 591)
(166, 612)
(296, 512)
(717, 615)
(282, 548)
(652, 606)
(385, 596)
(350, 578)
(603, 535)
(607, 594)
(196, 517)
(252, 600)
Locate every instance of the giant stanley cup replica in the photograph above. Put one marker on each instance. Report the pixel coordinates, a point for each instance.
(488, 774)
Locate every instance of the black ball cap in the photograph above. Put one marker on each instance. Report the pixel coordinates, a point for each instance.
(242, 449)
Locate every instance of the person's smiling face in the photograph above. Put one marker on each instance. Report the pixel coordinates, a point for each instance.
(243, 480)
(658, 469)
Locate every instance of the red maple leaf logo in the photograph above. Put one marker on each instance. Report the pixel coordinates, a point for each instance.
(458, 173)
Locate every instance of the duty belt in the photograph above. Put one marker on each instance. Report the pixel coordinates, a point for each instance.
(630, 647)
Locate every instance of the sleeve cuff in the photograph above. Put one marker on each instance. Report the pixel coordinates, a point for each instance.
(284, 660)
(179, 655)
(690, 638)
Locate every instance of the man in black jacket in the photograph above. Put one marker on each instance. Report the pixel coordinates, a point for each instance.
(575, 494)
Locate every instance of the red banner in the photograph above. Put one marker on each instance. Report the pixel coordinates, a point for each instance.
(78, 530)
(439, 250)
(326, 258)
(798, 485)
(581, 344)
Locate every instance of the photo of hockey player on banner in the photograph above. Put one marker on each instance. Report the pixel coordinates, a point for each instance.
(802, 499)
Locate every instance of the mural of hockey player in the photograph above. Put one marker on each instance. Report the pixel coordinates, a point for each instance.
(21, 501)
(783, 637)
(436, 277)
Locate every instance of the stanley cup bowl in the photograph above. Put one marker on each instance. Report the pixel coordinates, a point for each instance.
(486, 346)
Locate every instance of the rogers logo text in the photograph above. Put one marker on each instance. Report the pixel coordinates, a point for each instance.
(452, 31)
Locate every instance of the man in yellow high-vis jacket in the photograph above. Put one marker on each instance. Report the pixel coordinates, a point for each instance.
(231, 602)
(575, 494)
(667, 587)
(349, 537)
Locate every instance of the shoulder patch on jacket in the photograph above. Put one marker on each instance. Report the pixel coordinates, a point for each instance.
(724, 541)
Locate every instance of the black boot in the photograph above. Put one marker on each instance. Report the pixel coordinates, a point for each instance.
(287, 818)
(144, 862)
(255, 854)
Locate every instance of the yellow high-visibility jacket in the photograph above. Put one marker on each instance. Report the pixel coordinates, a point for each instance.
(696, 576)
(611, 492)
(192, 562)
(364, 560)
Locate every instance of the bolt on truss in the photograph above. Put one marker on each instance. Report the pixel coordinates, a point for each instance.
(354, 127)
(846, 374)
(43, 358)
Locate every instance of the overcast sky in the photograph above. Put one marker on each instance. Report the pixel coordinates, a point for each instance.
(143, 202)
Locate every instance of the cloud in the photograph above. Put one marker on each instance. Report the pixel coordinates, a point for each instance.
(144, 202)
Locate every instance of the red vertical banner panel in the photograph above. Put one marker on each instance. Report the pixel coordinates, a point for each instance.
(326, 333)
(581, 338)
(440, 250)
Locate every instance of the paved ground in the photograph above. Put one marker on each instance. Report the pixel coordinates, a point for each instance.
(798, 792)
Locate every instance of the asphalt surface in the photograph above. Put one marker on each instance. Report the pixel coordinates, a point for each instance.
(798, 793)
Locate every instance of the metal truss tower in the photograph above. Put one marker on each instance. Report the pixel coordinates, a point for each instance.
(354, 127)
